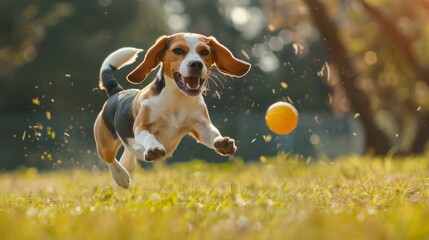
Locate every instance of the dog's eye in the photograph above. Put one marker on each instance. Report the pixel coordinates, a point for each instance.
(178, 51)
(204, 52)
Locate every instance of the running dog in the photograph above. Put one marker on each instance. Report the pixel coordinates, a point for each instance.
(150, 122)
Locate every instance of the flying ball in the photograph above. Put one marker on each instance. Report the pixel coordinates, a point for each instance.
(281, 118)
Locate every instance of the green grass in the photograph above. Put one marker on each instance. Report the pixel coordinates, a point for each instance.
(281, 198)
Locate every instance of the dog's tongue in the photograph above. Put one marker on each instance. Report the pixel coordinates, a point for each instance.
(193, 82)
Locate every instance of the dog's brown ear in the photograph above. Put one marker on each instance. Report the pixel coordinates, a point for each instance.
(225, 62)
(151, 60)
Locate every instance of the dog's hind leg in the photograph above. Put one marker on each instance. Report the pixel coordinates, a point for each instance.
(119, 174)
(107, 148)
(128, 160)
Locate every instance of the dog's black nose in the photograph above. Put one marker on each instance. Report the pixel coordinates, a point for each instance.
(195, 65)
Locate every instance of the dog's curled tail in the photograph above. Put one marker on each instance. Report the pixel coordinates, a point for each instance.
(115, 61)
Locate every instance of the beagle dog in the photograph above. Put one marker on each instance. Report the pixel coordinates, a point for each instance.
(150, 123)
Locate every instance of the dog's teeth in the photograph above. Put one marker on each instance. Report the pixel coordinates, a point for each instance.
(188, 86)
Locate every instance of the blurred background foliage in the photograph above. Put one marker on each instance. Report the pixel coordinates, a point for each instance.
(357, 71)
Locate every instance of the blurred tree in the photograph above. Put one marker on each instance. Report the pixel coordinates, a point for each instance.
(374, 137)
(396, 61)
(403, 43)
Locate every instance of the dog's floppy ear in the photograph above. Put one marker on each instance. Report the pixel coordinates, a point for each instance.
(151, 60)
(225, 62)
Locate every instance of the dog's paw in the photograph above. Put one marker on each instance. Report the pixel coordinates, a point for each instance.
(123, 180)
(154, 153)
(225, 145)
(119, 174)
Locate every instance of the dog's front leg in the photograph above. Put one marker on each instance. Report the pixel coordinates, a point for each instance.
(206, 133)
(146, 146)
(151, 149)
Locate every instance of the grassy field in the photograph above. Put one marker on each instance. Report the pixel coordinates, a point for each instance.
(278, 198)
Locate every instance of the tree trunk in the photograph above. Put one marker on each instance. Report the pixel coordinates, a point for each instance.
(376, 140)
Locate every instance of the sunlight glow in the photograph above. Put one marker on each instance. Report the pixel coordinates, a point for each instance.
(178, 22)
(268, 62)
(370, 58)
(104, 3)
(239, 16)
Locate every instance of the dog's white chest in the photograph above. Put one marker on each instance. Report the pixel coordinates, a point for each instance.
(173, 113)
(178, 119)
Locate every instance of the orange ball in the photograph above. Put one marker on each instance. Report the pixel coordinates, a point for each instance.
(281, 118)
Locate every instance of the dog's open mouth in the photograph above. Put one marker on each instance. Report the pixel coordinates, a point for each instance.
(190, 85)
